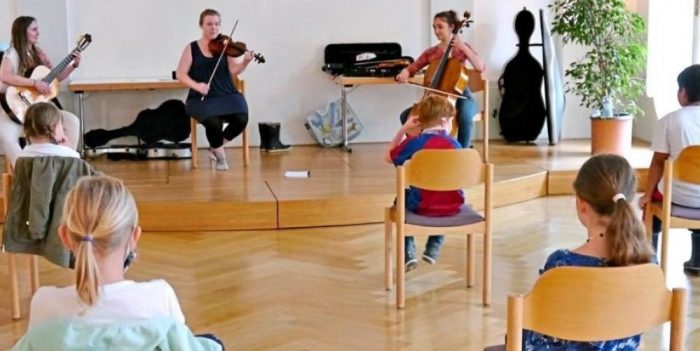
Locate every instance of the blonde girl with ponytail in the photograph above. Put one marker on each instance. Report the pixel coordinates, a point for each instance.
(605, 188)
(100, 227)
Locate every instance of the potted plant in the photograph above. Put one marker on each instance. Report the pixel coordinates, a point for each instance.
(607, 78)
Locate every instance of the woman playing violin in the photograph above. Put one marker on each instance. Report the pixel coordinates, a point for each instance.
(24, 55)
(443, 26)
(222, 103)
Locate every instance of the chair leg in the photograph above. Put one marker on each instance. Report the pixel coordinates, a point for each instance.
(245, 147)
(400, 273)
(388, 224)
(665, 229)
(193, 141)
(487, 265)
(470, 260)
(14, 286)
(34, 271)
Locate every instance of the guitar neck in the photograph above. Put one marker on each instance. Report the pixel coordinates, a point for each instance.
(59, 68)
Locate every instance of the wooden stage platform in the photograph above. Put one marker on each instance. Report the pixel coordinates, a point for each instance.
(343, 189)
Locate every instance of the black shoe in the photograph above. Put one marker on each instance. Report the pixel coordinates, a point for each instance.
(270, 137)
(691, 267)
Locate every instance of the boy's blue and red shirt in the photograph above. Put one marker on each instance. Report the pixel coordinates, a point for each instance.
(427, 202)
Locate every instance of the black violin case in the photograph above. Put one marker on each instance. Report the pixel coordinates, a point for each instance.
(363, 59)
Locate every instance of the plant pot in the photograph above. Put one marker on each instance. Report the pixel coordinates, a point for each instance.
(611, 135)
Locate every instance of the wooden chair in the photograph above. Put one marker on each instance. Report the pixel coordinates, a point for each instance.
(477, 83)
(12, 258)
(440, 170)
(240, 85)
(685, 168)
(594, 304)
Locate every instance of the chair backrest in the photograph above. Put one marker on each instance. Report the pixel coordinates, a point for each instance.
(444, 170)
(594, 304)
(239, 84)
(477, 82)
(686, 167)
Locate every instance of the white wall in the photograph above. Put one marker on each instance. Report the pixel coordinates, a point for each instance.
(291, 35)
(670, 50)
(144, 39)
(8, 11)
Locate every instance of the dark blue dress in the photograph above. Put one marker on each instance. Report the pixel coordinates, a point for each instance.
(223, 98)
(533, 341)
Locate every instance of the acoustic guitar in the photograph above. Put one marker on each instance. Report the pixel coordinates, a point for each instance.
(18, 99)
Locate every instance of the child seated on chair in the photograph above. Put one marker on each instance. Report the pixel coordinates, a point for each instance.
(673, 133)
(100, 226)
(434, 119)
(43, 127)
(605, 186)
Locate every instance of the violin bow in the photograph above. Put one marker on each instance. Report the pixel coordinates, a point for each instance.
(437, 91)
(223, 53)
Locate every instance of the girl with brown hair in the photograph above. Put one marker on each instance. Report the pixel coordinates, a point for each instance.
(24, 55)
(443, 24)
(605, 187)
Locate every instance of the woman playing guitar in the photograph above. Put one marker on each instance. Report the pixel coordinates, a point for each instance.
(218, 102)
(23, 55)
(443, 26)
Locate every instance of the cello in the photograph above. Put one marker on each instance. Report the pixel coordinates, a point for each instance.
(447, 77)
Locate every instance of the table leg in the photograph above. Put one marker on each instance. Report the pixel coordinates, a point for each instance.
(81, 117)
(344, 117)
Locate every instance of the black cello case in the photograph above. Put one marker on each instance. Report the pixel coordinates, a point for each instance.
(522, 113)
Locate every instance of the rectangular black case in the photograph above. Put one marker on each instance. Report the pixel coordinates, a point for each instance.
(342, 58)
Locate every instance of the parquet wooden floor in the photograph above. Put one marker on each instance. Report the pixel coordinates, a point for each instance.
(322, 288)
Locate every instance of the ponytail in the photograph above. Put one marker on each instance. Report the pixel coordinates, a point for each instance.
(606, 182)
(626, 237)
(87, 274)
(99, 215)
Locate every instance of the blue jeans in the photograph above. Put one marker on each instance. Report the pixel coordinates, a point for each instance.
(433, 240)
(466, 109)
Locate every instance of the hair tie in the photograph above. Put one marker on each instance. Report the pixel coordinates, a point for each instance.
(619, 196)
(87, 238)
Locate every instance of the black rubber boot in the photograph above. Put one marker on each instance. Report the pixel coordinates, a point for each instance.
(693, 265)
(264, 136)
(270, 137)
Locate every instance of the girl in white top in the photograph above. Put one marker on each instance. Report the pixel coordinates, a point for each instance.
(100, 228)
(23, 55)
(43, 127)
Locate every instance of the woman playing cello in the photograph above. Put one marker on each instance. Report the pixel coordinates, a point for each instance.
(443, 25)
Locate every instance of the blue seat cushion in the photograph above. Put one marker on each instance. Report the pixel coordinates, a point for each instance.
(685, 212)
(466, 216)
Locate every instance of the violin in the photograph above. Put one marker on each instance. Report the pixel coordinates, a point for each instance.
(233, 49)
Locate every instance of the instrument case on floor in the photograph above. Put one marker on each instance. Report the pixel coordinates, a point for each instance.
(154, 151)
